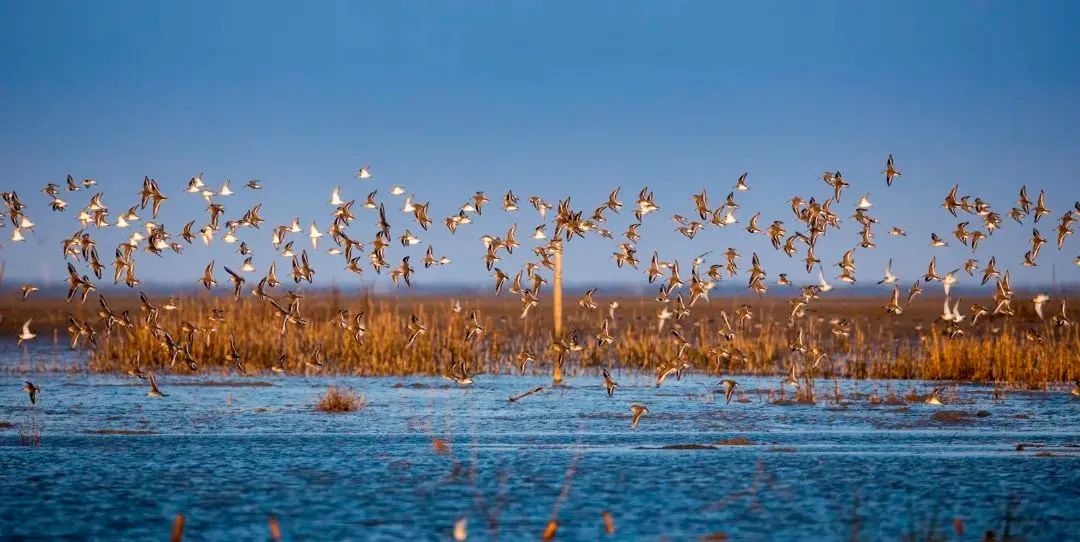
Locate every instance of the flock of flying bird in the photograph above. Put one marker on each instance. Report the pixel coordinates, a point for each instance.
(815, 220)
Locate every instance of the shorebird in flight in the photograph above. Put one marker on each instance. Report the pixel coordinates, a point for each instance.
(864, 202)
(415, 329)
(28, 289)
(25, 334)
(889, 276)
(729, 386)
(740, 184)
(1038, 302)
(154, 391)
(890, 171)
(523, 358)
(893, 306)
(792, 378)
(637, 411)
(664, 371)
(208, 276)
(609, 384)
(32, 391)
(456, 372)
(1061, 319)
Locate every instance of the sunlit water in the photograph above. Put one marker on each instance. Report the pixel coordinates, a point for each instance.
(229, 456)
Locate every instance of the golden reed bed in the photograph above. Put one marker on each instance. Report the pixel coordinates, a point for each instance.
(1022, 350)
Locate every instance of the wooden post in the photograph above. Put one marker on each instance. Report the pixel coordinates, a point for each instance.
(557, 370)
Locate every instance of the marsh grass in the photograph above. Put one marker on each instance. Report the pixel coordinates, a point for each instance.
(910, 346)
(340, 400)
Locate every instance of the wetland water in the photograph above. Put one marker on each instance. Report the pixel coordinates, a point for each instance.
(114, 464)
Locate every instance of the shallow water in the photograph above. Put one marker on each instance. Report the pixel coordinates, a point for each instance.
(228, 456)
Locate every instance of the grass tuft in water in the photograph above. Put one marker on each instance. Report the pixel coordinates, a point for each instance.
(340, 400)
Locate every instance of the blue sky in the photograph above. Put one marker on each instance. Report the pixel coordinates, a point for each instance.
(545, 98)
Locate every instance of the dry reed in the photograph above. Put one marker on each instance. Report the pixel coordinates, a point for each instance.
(911, 346)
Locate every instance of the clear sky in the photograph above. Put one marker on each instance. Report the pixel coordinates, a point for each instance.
(545, 98)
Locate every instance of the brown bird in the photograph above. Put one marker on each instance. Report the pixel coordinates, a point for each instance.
(890, 171)
(28, 289)
(637, 411)
(416, 328)
(609, 384)
(208, 276)
(154, 391)
(237, 282)
(32, 391)
(729, 386)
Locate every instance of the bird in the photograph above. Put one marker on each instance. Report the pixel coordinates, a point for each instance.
(25, 334)
(949, 280)
(977, 311)
(28, 289)
(154, 391)
(792, 379)
(472, 327)
(740, 184)
(237, 281)
(864, 203)
(729, 386)
(931, 272)
(1061, 319)
(889, 276)
(890, 171)
(314, 360)
(603, 337)
(822, 284)
(664, 371)
(523, 358)
(586, 301)
(415, 328)
(1038, 302)
(32, 391)
(456, 373)
(609, 384)
(1040, 206)
(935, 397)
(314, 234)
(637, 411)
(893, 306)
(208, 276)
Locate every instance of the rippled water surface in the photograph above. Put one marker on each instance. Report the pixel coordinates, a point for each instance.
(112, 463)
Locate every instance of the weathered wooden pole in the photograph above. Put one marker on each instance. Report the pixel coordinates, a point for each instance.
(557, 370)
